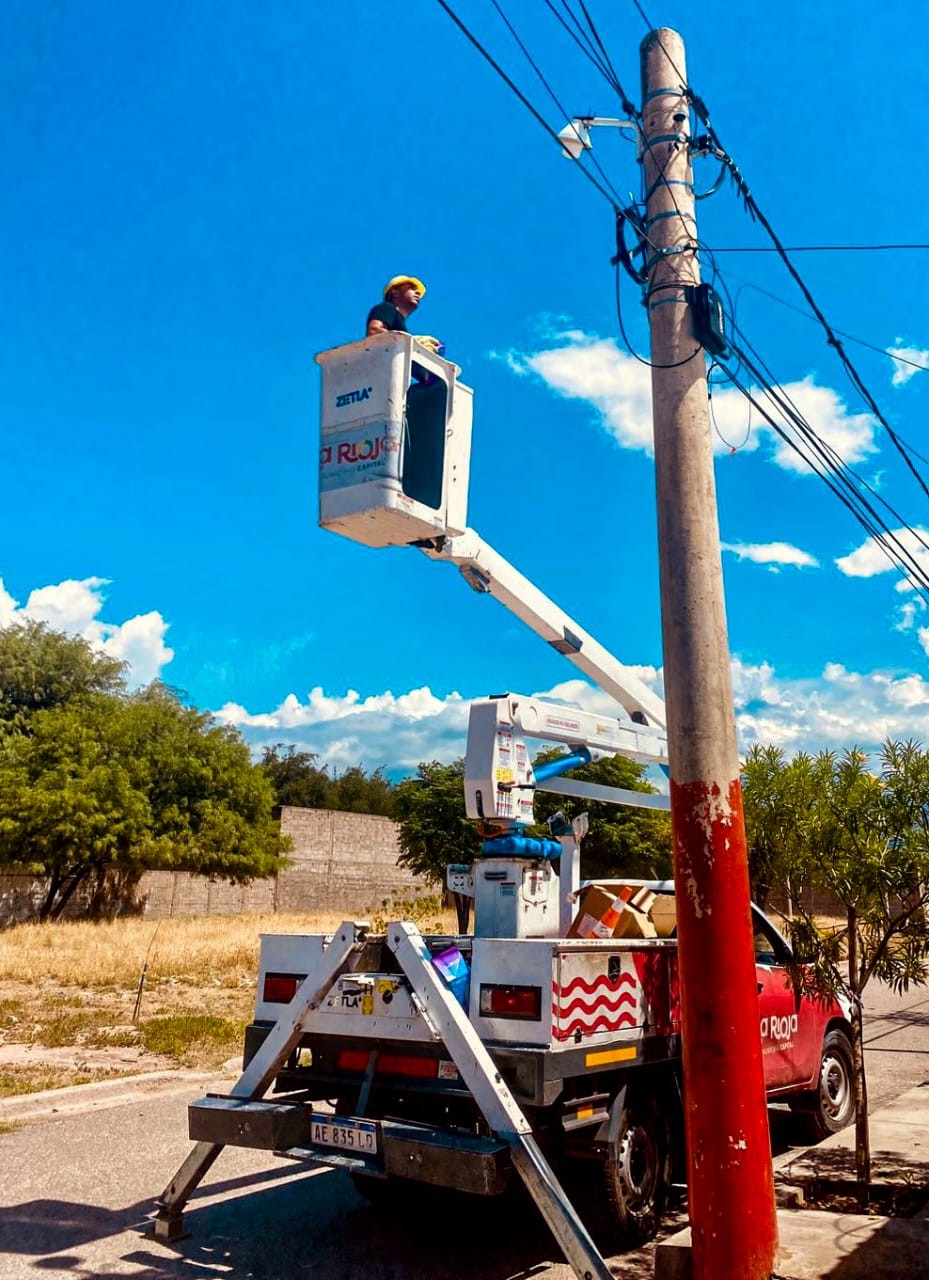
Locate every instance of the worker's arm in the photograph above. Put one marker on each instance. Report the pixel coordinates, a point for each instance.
(376, 326)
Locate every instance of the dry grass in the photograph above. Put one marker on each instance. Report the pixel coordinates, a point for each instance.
(111, 954)
(201, 950)
(73, 986)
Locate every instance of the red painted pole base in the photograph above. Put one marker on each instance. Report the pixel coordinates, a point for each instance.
(731, 1184)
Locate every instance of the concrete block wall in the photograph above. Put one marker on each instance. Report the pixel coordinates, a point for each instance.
(339, 862)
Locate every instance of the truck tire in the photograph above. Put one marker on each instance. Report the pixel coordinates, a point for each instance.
(638, 1170)
(831, 1106)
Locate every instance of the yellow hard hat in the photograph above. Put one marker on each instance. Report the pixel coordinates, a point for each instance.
(398, 280)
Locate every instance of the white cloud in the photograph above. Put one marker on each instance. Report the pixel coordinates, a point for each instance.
(830, 710)
(771, 554)
(908, 613)
(7, 606)
(583, 367)
(140, 643)
(905, 361)
(870, 559)
(586, 367)
(74, 606)
(344, 730)
(837, 709)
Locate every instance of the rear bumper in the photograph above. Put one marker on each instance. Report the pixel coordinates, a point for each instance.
(480, 1166)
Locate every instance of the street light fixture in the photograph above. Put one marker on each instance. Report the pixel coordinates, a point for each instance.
(575, 136)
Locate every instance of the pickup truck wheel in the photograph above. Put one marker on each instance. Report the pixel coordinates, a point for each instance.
(638, 1171)
(831, 1106)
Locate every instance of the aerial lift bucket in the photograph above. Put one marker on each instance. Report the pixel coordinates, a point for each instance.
(395, 442)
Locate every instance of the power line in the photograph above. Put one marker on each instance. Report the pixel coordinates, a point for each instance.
(628, 105)
(587, 47)
(754, 209)
(519, 94)
(551, 93)
(820, 248)
(808, 315)
(825, 462)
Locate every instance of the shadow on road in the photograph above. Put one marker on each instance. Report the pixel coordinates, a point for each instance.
(314, 1228)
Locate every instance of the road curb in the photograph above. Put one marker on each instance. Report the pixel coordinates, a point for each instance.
(75, 1098)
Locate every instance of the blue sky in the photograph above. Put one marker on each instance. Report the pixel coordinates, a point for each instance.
(199, 198)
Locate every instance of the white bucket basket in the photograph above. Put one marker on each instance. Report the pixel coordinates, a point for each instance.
(395, 442)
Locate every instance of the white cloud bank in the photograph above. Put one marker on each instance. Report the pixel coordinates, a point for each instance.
(908, 361)
(834, 709)
(583, 366)
(73, 606)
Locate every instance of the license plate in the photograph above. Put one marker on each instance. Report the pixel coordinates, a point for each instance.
(347, 1135)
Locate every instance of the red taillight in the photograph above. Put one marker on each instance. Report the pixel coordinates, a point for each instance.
(280, 988)
(389, 1064)
(511, 1002)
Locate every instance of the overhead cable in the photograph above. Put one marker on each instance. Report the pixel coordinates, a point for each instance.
(522, 97)
(617, 199)
(755, 211)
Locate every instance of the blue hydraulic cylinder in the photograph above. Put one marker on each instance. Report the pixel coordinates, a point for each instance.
(521, 847)
(561, 765)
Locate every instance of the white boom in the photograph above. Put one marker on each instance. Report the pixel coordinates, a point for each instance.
(395, 428)
(487, 571)
(500, 781)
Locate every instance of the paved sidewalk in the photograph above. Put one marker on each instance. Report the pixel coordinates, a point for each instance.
(816, 1245)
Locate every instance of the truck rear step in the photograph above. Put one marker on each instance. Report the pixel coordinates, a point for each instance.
(478, 1165)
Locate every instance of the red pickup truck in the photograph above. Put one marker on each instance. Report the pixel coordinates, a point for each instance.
(585, 1032)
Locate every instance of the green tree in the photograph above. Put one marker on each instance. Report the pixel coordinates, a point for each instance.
(355, 791)
(41, 668)
(433, 828)
(108, 786)
(298, 780)
(865, 840)
(622, 840)
(296, 777)
(777, 797)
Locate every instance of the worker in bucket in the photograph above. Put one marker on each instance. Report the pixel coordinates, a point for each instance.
(402, 295)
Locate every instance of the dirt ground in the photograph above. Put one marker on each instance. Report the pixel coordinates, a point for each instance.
(53, 1035)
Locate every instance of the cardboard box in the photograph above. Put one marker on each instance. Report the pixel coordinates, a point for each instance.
(598, 912)
(609, 912)
(634, 923)
(663, 915)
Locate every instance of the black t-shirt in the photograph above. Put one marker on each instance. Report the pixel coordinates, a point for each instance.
(389, 317)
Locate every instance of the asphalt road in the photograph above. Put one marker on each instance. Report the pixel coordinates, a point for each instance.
(76, 1192)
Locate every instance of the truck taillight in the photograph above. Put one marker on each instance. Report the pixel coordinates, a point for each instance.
(389, 1064)
(499, 1001)
(280, 988)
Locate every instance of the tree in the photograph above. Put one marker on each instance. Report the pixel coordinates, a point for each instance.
(107, 785)
(864, 838)
(777, 797)
(622, 840)
(40, 669)
(433, 828)
(298, 780)
(296, 777)
(355, 791)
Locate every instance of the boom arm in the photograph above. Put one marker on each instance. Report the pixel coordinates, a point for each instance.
(487, 571)
(500, 781)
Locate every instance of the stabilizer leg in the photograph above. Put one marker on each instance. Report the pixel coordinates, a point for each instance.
(280, 1042)
(498, 1106)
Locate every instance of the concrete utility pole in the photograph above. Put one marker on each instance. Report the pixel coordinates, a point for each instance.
(733, 1223)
